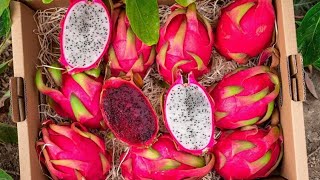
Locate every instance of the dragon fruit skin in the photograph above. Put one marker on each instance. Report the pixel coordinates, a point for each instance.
(72, 152)
(245, 97)
(127, 52)
(128, 113)
(88, 48)
(77, 99)
(185, 43)
(250, 22)
(248, 153)
(164, 161)
(186, 118)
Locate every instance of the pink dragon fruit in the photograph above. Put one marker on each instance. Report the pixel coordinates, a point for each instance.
(127, 52)
(250, 22)
(78, 97)
(185, 43)
(72, 152)
(164, 161)
(128, 113)
(188, 114)
(85, 35)
(248, 153)
(245, 97)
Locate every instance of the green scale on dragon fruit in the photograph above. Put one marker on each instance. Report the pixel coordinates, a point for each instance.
(85, 35)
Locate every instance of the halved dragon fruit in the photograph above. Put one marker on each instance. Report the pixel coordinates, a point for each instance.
(248, 153)
(85, 35)
(128, 113)
(189, 117)
(164, 161)
(71, 152)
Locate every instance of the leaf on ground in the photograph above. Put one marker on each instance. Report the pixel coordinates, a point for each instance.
(144, 19)
(302, 6)
(4, 175)
(4, 98)
(310, 85)
(4, 66)
(308, 37)
(3, 5)
(185, 3)
(47, 1)
(8, 134)
(5, 22)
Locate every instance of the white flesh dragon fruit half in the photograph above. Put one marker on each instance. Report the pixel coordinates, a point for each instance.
(85, 35)
(188, 114)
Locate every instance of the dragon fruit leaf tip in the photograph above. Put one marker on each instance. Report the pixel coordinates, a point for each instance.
(77, 97)
(85, 35)
(250, 152)
(128, 113)
(162, 160)
(188, 37)
(247, 21)
(188, 114)
(76, 164)
(235, 100)
(127, 52)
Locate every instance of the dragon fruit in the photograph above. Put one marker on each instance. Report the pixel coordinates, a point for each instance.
(248, 153)
(85, 35)
(245, 97)
(189, 117)
(78, 97)
(128, 113)
(164, 161)
(185, 43)
(127, 52)
(250, 22)
(72, 152)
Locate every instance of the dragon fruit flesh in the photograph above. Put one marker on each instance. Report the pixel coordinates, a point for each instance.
(245, 97)
(128, 113)
(127, 52)
(185, 43)
(250, 22)
(189, 117)
(78, 96)
(85, 35)
(248, 153)
(72, 152)
(164, 161)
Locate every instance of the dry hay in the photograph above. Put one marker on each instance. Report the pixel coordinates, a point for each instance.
(48, 23)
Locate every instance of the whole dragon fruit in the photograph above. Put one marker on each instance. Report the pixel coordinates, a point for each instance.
(77, 98)
(128, 113)
(164, 161)
(189, 116)
(85, 35)
(185, 43)
(250, 22)
(245, 97)
(127, 52)
(248, 153)
(72, 152)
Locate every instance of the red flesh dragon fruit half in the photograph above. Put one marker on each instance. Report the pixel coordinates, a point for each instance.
(248, 153)
(164, 161)
(71, 152)
(245, 97)
(78, 97)
(128, 113)
(188, 114)
(185, 43)
(245, 29)
(85, 35)
(127, 52)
